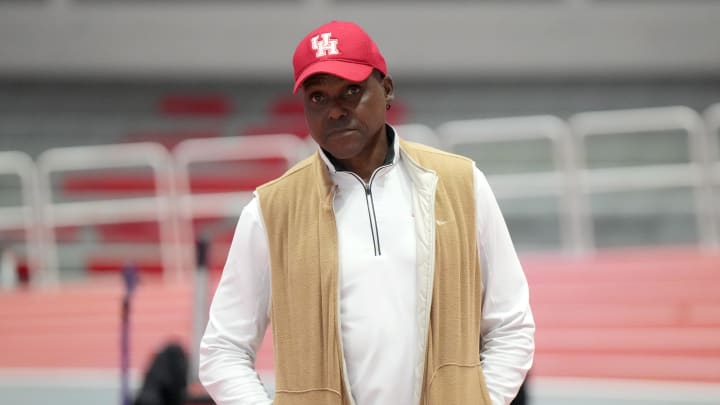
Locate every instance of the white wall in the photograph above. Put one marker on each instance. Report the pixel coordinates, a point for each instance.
(425, 39)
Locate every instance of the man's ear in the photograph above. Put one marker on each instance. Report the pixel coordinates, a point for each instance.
(389, 88)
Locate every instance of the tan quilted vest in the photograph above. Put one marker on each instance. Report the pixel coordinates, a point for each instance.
(298, 213)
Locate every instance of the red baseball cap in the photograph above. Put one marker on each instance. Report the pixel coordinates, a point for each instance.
(338, 48)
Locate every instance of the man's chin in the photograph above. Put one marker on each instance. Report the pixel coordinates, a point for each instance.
(342, 155)
(342, 148)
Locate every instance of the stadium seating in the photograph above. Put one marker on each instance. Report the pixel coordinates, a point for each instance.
(647, 311)
(635, 314)
(195, 104)
(169, 138)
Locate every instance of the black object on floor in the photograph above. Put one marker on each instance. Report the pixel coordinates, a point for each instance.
(166, 379)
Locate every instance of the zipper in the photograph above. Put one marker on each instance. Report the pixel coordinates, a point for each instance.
(374, 234)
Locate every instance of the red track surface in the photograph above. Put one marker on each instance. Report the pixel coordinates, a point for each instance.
(643, 314)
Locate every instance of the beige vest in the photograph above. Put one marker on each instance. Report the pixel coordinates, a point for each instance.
(298, 213)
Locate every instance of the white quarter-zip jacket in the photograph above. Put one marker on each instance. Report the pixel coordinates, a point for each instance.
(379, 308)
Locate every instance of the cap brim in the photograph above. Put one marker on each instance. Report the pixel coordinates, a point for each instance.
(354, 72)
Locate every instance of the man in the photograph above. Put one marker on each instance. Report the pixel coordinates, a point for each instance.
(385, 266)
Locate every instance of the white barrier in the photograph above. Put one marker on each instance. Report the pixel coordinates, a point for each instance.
(694, 174)
(225, 149)
(560, 181)
(24, 216)
(158, 207)
(712, 118)
(173, 205)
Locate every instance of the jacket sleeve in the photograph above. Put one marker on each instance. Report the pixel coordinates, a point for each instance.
(507, 326)
(238, 317)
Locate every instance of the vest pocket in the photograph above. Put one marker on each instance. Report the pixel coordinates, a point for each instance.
(458, 384)
(313, 397)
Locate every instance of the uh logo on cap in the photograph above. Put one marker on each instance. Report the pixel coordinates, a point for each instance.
(326, 46)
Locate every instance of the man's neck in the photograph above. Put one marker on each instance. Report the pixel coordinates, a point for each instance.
(382, 154)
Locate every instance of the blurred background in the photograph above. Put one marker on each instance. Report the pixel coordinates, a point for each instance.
(130, 130)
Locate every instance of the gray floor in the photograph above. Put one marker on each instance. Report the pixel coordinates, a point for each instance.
(104, 389)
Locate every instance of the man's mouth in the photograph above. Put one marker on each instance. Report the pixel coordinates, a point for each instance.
(340, 131)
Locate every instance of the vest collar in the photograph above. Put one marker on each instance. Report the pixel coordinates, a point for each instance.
(325, 187)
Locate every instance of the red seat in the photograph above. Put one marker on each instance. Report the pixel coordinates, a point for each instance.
(169, 138)
(605, 314)
(650, 314)
(626, 292)
(112, 185)
(628, 366)
(104, 263)
(292, 126)
(195, 104)
(243, 175)
(140, 232)
(287, 106)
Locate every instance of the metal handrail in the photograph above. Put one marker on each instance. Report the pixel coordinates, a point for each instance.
(712, 120)
(121, 156)
(561, 182)
(694, 174)
(24, 216)
(226, 203)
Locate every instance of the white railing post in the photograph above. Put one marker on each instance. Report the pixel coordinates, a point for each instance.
(25, 215)
(712, 120)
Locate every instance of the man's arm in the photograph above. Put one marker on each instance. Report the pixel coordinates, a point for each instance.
(507, 327)
(238, 317)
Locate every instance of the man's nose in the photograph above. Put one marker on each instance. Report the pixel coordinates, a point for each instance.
(337, 110)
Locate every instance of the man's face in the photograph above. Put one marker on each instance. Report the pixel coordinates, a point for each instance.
(346, 118)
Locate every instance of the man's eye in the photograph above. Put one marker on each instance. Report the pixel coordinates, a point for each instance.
(317, 98)
(353, 90)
